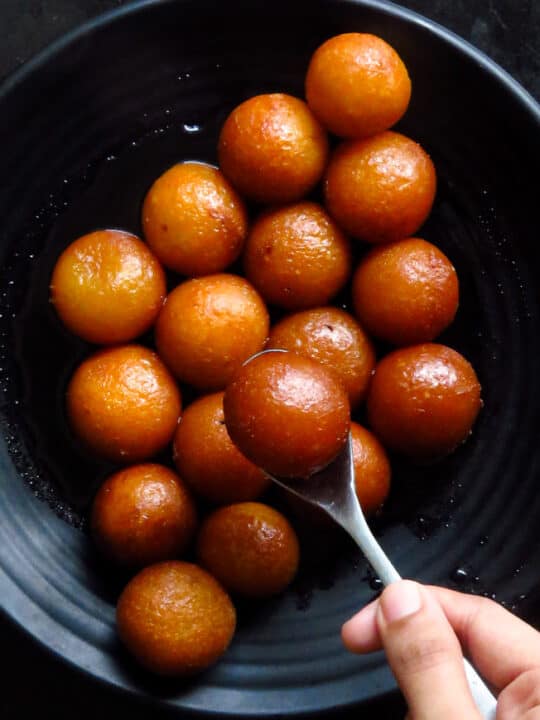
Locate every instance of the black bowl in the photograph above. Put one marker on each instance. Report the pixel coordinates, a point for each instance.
(84, 129)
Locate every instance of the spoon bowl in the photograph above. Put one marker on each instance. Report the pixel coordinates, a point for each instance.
(333, 490)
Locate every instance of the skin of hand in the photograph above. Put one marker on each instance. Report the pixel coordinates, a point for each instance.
(425, 631)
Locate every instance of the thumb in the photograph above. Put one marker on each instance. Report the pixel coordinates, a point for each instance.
(424, 654)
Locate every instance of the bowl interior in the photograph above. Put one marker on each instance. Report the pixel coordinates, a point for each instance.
(85, 129)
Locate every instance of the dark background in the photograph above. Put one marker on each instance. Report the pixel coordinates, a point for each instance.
(32, 683)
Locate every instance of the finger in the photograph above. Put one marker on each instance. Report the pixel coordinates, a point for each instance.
(424, 653)
(500, 657)
(500, 645)
(360, 634)
(521, 699)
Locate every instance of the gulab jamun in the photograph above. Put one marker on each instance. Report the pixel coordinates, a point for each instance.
(372, 471)
(296, 256)
(175, 619)
(423, 400)
(332, 337)
(272, 148)
(209, 461)
(143, 514)
(380, 189)
(123, 404)
(287, 414)
(193, 219)
(208, 327)
(357, 85)
(406, 292)
(107, 287)
(250, 548)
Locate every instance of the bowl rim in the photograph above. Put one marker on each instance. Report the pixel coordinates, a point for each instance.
(18, 75)
(15, 606)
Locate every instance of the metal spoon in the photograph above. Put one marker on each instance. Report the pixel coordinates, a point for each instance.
(333, 489)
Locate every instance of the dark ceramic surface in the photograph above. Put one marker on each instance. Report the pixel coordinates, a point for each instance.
(483, 220)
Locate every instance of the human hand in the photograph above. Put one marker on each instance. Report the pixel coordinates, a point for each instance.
(423, 630)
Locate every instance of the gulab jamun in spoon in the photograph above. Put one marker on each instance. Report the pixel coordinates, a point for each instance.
(333, 489)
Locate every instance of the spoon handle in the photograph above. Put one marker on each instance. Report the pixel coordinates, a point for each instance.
(360, 531)
(484, 699)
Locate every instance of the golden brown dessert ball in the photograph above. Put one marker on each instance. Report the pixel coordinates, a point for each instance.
(208, 327)
(334, 338)
(209, 461)
(123, 404)
(406, 292)
(297, 257)
(107, 287)
(175, 618)
(272, 148)
(193, 219)
(250, 548)
(423, 400)
(143, 514)
(380, 189)
(286, 413)
(372, 471)
(357, 85)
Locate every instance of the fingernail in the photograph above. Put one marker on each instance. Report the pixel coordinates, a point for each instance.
(400, 600)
